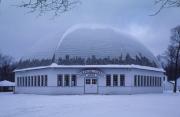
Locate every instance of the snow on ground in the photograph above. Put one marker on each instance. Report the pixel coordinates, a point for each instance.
(141, 105)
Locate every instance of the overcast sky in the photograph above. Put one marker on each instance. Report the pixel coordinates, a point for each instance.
(21, 33)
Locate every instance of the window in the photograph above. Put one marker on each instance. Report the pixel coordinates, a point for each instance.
(145, 81)
(156, 81)
(39, 80)
(135, 80)
(160, 82)
(46, 80)
(122, 80)
(115, 80)
(29, 80)
(42, 80)
(88, 81)
(25, 81)
(66, 80)
(108, 80)
(94, 81)
(59, 80)
(150, 84)
(139, 80)
(22, 81)
(17, 81)
(35, 81)
(142, 83)
(148, 81)
(73, 80)
(153, 81)
(32, 81)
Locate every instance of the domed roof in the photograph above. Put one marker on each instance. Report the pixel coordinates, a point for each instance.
(103, 44)
(87, 45)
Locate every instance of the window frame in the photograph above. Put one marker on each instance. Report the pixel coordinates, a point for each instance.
(108, 80)
(115, 80)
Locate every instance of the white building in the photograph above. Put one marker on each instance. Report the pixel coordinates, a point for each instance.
(6, 86)
(94, 61)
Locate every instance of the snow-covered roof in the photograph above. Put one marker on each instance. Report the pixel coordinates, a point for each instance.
(6, 83)
(54, 65)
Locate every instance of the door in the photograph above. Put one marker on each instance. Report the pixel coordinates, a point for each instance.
(90, 85)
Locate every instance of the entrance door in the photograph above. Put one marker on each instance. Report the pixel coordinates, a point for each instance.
(91, 85)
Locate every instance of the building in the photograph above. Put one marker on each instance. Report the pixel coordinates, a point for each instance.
(92, 61)
(6, 86)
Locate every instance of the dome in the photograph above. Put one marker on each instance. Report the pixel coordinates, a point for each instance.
(100, 46)
(87, 45)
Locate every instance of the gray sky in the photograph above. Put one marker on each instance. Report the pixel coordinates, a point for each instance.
(21, 33)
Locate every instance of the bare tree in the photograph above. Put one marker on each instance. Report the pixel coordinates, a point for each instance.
(166, 4)
(55, 6)
(44, 6)
(173, 53)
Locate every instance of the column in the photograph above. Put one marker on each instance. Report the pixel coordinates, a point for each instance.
(63, 75)
(111, 79)
(119, 79)
(70, 79)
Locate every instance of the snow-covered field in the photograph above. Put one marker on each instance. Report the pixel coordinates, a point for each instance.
(142, 105)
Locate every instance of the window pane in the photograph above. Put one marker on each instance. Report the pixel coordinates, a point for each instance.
(35, 81)
(66, 80)
(94, 81)
(115, 80)
(17, 81)
(42, 80)
(142, 84)
(38, 80)
(22, 81)
(108, 80)
(122, 80)
(46, 80)
(139, 80)
(59, 80)
(73, 80)
(26, 81)
(32, 81)
(147, 80)
(29, 80)
(150, 80)
(135, 80)
(88, 81)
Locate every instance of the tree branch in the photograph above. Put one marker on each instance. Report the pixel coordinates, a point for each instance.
(42, 6)
(166, 4)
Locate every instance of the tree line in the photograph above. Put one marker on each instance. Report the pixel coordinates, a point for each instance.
(93, 60)
(7, 66)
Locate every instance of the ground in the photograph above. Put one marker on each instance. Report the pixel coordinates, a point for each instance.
(141, 105)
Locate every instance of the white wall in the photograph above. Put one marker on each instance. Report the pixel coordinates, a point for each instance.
(79, 89)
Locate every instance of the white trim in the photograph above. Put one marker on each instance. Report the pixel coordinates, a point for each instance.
(53, 65)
